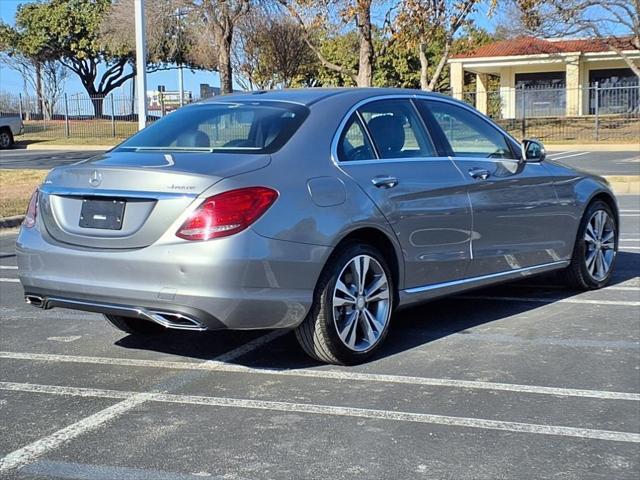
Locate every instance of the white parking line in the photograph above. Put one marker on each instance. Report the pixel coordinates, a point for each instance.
(26, 454)
(550, 300)
(572, 155)
(629, 248)
(331, 410)
(29, 453)
(8, 267)
(325, 374)
(10, 280)
(630, 214)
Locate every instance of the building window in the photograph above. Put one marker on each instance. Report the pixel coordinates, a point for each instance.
(617, 91)
(540, 94)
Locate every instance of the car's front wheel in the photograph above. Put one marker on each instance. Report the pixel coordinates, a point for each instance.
(352, 307)
(596, 247)
(134, 326)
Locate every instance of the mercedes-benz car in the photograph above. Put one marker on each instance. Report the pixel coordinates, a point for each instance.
(319, 210)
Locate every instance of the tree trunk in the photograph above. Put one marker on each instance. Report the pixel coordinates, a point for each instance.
(366, 56)
(424, 68)
(440, 66)
(97, 102)
(39, 88)
(224, 60)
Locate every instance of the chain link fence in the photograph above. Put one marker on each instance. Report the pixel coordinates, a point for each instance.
(593, 113)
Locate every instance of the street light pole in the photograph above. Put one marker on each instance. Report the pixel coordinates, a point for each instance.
(141, 64)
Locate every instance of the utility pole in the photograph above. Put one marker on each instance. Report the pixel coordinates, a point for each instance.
(141, 63)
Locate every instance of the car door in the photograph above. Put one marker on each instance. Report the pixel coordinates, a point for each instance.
(515, 206)
(385, 148)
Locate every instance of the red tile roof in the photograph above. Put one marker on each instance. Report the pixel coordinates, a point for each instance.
(535, 46)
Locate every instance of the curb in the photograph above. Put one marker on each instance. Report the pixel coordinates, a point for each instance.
(10, 222)
(624, 184)
(593, 147)
(84, 148)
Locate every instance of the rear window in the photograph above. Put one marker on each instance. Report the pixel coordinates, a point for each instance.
(257, 127)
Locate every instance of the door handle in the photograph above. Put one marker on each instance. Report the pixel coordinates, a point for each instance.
(384, 181)
(479, 173)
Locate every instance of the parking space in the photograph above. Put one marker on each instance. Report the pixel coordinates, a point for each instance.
(525, 380)
(601, 163)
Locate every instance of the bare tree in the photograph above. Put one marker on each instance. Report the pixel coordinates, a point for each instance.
(312, 15)
(219, 19)
(271, 51)
(422, 22)
(616, 23)
(47, 78)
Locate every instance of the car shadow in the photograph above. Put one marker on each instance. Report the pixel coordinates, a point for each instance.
(411, 327)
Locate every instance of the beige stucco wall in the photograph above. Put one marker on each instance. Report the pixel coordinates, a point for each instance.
(575, 66)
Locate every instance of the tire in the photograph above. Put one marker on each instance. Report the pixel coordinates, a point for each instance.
(6, 138)
(134, 326)
(585, 272)
(362, 331)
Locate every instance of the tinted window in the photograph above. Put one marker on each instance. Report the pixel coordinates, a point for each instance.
(229, 127)
(468, 134)
(354, 144)
(396, 129)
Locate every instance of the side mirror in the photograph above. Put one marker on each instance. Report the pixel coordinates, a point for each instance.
(533, 150)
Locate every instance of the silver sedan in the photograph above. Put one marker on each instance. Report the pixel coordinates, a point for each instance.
(319, 210)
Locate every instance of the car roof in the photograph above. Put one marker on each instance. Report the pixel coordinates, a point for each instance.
(309, 96)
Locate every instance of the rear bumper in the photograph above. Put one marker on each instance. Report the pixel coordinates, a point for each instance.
(241, 282)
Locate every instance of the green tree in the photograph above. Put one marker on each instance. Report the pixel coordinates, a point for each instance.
(72, 32)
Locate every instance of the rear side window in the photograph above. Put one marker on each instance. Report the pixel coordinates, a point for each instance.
(258, 127)
(354, 143)
(468, 134)
(396, 129)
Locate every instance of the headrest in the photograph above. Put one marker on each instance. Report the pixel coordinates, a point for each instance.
(388, 133)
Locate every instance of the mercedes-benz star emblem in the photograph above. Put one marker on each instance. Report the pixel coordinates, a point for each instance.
(95, 179)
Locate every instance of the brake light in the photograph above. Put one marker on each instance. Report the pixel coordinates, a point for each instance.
(32, 211)
(227, 213)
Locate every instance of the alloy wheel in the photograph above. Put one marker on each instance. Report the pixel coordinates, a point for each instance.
(600, 240)
(361, 303)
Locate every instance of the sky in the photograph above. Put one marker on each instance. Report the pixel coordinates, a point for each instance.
(11, 81)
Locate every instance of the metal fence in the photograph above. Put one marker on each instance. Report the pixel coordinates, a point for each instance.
(593, 113)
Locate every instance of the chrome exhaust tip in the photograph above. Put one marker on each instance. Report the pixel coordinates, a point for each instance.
(35, 300)
(176, 321)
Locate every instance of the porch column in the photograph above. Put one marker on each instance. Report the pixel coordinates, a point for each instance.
(574, 93)
(482, 84)
(457, 80)
(507, 92)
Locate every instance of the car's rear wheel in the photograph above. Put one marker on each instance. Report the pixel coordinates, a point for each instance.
(596, 248)
(134, 326)
(352, 307)
(6, 138)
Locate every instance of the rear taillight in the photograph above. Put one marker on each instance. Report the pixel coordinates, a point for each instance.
(227, 213)
(32, 211)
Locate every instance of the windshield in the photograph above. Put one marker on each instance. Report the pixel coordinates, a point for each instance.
(257, 127)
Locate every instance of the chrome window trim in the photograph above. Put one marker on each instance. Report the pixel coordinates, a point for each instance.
(454, 283)
(410, 97)
(84, 192)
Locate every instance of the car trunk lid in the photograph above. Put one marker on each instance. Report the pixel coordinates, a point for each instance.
(129, 199)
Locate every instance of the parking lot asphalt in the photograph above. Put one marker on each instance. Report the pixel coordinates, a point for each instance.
(519, 381)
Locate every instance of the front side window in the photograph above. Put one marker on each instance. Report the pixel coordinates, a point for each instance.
(396, 129)
(353, 143)
(468, 134)
(258, 127)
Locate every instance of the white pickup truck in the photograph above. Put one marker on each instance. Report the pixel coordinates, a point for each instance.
(9, 128)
